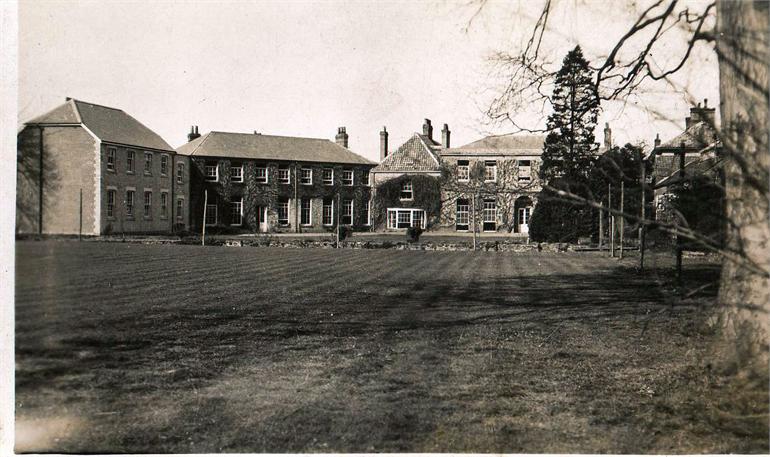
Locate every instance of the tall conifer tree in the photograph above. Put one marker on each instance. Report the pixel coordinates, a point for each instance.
(569, 147)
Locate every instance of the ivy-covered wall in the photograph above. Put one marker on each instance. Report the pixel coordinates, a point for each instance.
(426, 195)
(256, 194)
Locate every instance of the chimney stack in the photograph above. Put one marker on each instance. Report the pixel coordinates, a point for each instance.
(342, 137)
(193, 133)
(657, 140)
(607, 136)
(383, 143)
(702, 114)
(427, 129)
(445, 134)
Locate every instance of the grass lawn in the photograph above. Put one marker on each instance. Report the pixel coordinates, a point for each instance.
(162, 348)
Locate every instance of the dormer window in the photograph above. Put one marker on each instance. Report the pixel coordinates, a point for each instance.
(406, 190)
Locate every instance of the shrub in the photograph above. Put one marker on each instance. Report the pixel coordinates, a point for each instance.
(345, 232)
(413, 234)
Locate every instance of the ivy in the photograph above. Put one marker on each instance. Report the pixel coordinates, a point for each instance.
(426, 195)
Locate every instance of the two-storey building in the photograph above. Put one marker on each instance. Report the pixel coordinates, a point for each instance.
(91, 169)
(250, 182)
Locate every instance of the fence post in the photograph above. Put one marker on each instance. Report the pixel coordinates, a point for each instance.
(622, 218)
(642, 211)
(205, 205)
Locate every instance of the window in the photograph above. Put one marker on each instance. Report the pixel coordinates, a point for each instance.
(489, 215)
(346, 217)
(404, 218)
(179, 209)
(110, 203)
(525, 170)
(365, 178)
(261, 174)
(406, 190)
(164, 204)
(462, 218)
(211, 213)
(463, 170)
(130, 161)
(236, 211)
(147, 204)
(164, 165)
(328, 176)
(130, 203)
(148, 163)
(328, 212)
(179, 173)
(111, 152)
(211, 171)
(284, 175)
(306, 176)
(306, 212)
(490, 171)
(283, 212)
(347, 177)
(368, 213)
(236, 172)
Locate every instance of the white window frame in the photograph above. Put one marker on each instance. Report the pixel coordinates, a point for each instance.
(463, 171)
(368, 218)
(112, 154)
(345, 173)
(147, 163)
(489, 213)
(236, 173)
(164, 164)
(207, 168)
(309, 212)
(406, 186)
(459, 213)
(147, 207)
(130, 207)
(394, 221)
(212, 208)
(490, 165)
(239, 214)
(366, 178)
(309, 181)
(130, 161)
(284, 179)
(330, 181)
(343, 215)
(525, 171)
(261, 169)
(280, 207)
(331, 213)
(180, 173)
(164, 204)
(179, 208)
(111, 192)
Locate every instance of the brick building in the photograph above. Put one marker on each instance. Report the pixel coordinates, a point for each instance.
(91, 169)
(505, 188)
(249, 182)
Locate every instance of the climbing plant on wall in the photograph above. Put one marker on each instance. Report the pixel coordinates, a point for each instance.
(426, 195)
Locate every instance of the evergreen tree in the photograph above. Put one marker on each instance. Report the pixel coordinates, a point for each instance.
(569, 145)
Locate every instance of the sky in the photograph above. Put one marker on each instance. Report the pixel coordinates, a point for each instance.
(305, 68)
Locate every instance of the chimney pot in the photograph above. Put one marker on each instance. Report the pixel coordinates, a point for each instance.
(427, 129)
(342, 137)
(445, 136)
(383, 143)
(193, 133)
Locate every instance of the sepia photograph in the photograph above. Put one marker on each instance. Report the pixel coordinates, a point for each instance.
(340, 226)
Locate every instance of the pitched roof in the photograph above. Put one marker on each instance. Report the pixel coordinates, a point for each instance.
(698, 166)
(510, 144)
(111, 125)
(270, 147)
(698, 136)
(416, 154)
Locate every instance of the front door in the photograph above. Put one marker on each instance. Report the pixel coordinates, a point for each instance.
(524, 220)
(262, 218)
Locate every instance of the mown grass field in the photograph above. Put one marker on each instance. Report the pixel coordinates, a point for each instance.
(139, 348)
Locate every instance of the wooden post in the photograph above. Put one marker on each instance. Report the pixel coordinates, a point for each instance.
(611, 221)
(80, 216)
(622, 217)
(642, 212)
(679, 238)
(601, 228)
(473, 215)
(337, 217)
(297, 204)
(205, 205)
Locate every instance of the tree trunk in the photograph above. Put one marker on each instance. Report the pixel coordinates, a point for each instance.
(742, 47)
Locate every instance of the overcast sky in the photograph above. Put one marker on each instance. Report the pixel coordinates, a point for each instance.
(305, 68)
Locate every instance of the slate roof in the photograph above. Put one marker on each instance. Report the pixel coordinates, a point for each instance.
(270, 147)
(415, 155)
(110, 125)
(698, 136)
(702, 165)
(511, 144)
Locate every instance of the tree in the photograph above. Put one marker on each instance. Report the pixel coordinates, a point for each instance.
(569, 147)
(741, 37)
